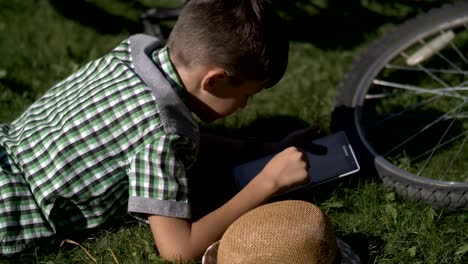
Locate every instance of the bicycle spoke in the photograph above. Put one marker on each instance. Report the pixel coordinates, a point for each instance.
(460, 54)
(438, 147)
(438, 144)
(409, 68)
(451, 63)
(424, 129)
(430, 74)
(393, 115)
(454, 158)
(388, 95)
(445, 91)
(461, 115)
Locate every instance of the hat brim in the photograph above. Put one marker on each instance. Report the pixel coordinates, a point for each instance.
(211, 254)
(348, 256)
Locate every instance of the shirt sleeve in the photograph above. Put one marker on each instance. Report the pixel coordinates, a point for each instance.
(158, 179)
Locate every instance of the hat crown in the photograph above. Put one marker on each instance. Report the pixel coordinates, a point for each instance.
(287, 232)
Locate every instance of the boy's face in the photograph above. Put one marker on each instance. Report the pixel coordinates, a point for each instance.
(235, 97)
(222, 98)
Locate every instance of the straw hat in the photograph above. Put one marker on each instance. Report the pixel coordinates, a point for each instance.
(287, 232)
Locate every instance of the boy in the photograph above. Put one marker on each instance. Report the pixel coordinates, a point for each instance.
(118, 136)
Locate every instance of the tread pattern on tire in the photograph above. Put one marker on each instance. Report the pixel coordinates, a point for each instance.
(441, 199)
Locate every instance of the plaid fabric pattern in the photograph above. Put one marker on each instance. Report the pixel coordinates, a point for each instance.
(79, 153)
(161, 58)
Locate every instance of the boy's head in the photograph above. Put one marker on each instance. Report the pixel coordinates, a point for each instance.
(237, 43)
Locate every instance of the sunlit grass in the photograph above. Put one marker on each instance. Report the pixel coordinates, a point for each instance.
(41, 44)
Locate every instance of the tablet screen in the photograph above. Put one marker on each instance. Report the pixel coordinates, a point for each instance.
(330, 157)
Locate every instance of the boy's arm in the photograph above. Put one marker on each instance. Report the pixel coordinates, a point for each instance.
(181, 240)
(178, 239)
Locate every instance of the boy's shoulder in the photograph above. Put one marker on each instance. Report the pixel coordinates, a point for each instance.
(144, 43)
(134, 45)
(174, 114)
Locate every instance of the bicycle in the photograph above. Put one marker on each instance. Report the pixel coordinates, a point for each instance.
(404, 106)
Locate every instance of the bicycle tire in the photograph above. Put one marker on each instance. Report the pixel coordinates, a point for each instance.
(351, 105)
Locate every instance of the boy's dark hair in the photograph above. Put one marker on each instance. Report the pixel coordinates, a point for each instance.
(244, 37)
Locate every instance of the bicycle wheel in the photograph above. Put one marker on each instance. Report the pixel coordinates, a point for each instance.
(404, 106)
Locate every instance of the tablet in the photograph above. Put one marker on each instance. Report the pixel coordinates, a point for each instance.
(330, 157)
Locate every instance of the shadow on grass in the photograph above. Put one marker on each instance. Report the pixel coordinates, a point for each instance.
(91, 15)
(335, 24)
(213, 185)
(18, 87)
(364, 245)
(264, 128)
(342, 24)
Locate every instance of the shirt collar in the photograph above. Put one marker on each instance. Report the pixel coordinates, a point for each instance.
(162, 60)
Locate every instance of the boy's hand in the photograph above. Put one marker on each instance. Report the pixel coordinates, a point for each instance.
(286, 170)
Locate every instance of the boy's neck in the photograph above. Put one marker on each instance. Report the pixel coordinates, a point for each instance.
(186, 75)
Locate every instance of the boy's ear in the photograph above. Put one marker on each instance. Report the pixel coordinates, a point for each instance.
(213, 78)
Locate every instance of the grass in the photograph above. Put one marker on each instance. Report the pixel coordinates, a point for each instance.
(44, 41)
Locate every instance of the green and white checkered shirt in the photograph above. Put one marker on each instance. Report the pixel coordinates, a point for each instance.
(114, 137)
